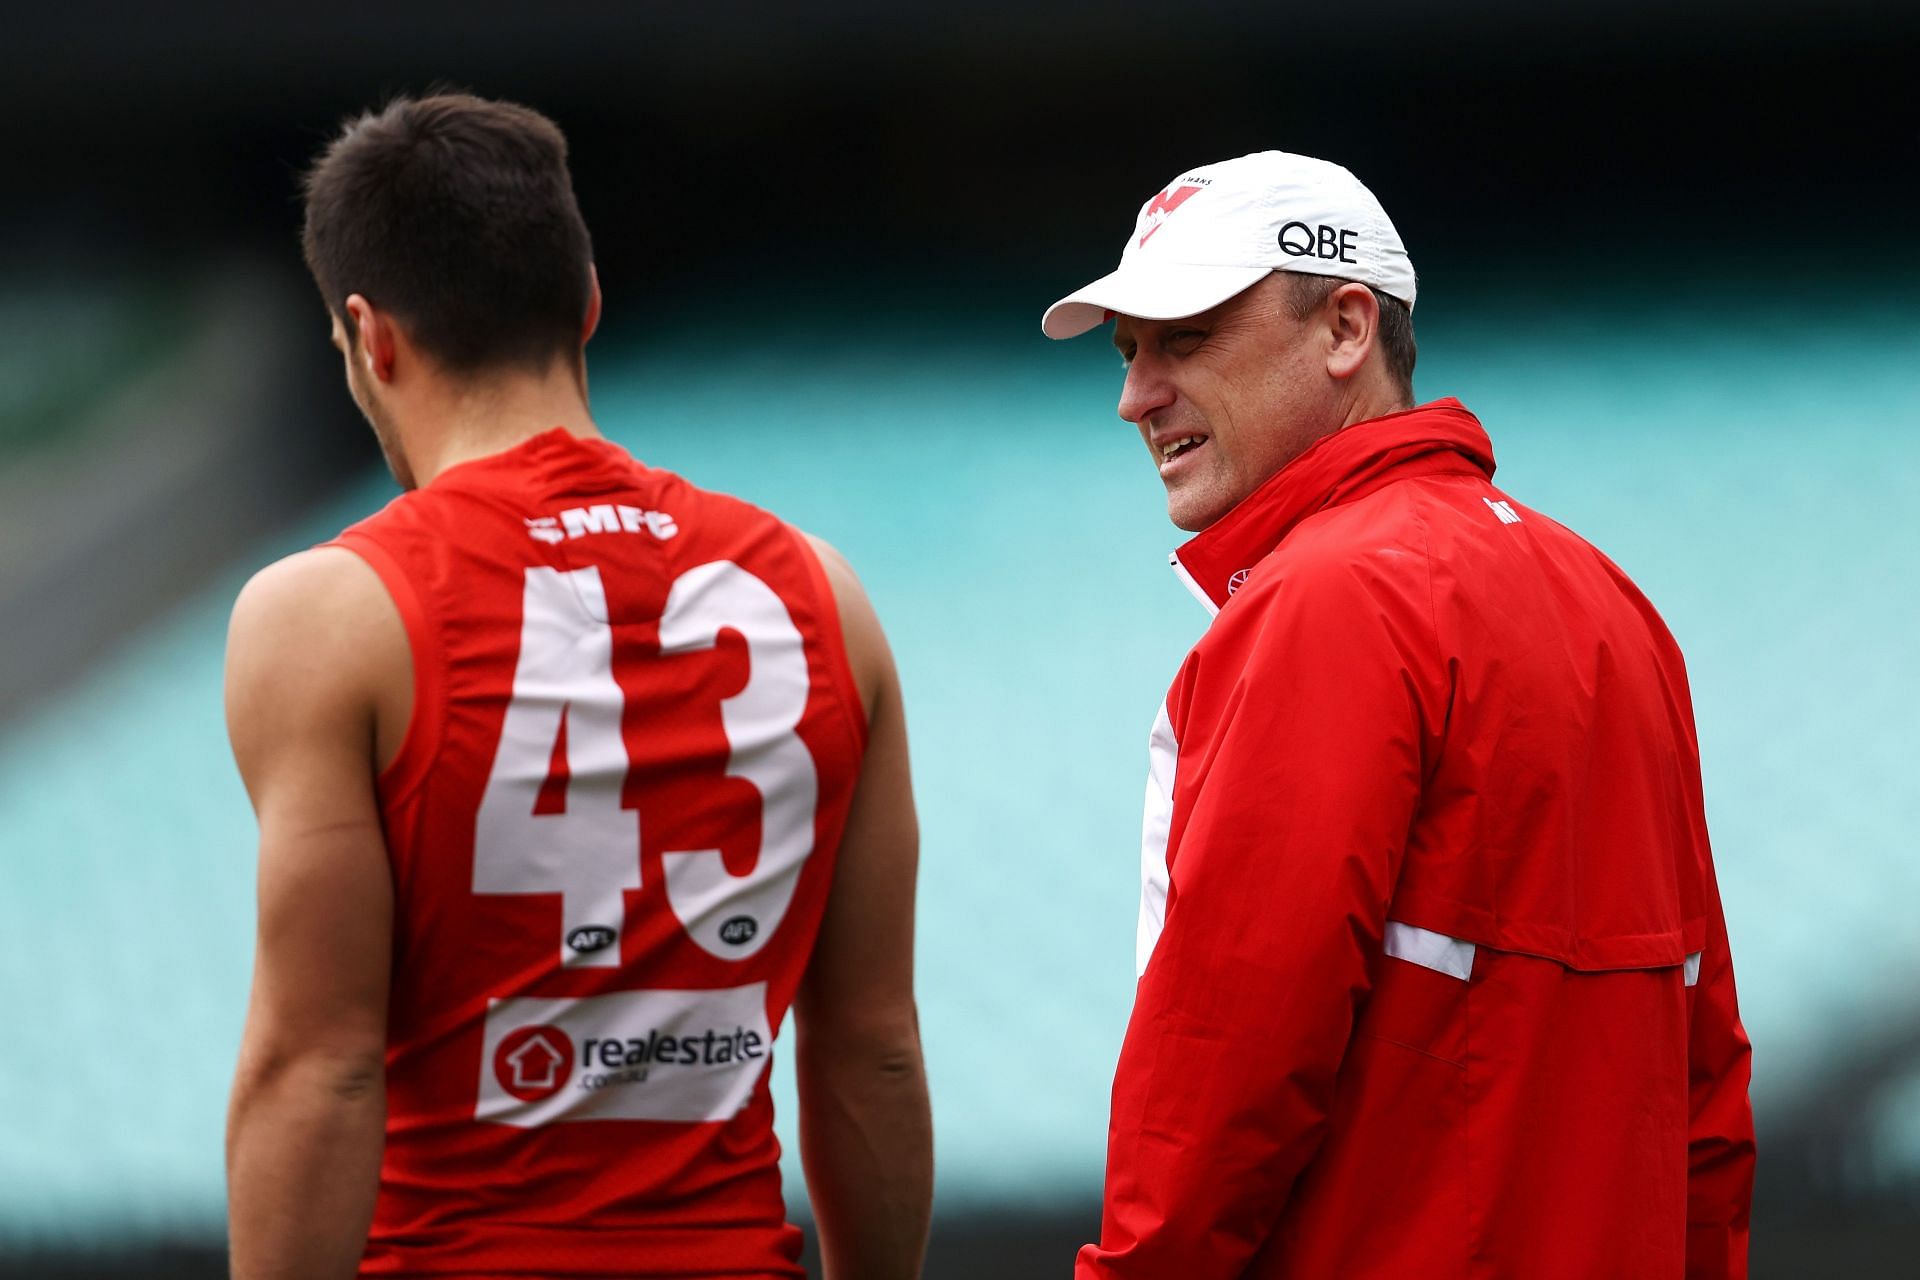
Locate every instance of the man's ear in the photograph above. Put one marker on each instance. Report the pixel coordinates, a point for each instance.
(1352, 317)
(592, 321)
(374, 338)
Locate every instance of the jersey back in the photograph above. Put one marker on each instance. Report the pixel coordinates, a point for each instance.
(612, 825)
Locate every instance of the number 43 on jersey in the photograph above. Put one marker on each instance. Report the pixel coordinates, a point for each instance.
(589, 852)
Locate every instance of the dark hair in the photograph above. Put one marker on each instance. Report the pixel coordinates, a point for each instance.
(456, 214)
(1396, 321)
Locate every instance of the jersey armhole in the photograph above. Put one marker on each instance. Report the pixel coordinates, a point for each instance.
(422, 738)
(839, 667)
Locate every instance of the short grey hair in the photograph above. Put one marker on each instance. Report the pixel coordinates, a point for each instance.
(1307, 292)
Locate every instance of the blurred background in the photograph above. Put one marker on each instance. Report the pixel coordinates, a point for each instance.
(1667, 255)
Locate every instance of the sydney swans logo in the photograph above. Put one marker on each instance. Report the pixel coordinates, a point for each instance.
(1161, 207)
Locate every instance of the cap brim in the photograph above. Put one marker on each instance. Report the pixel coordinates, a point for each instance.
(1149, 290)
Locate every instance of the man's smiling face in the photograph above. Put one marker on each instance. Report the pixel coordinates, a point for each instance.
(1225, 398)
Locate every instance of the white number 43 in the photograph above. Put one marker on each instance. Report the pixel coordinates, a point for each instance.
(589, 854)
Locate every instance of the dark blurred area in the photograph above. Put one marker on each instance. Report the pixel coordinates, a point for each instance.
(904, 162)
(719, 144)
(918, 160)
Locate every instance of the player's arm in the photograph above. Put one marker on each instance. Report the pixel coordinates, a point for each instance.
(1288, 858)
(313, 642)
(866, 1130)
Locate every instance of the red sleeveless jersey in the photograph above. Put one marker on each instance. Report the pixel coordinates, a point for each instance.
(612, 826)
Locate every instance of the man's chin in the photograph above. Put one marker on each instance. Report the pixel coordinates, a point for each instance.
(1188, 525)
(1194, 513)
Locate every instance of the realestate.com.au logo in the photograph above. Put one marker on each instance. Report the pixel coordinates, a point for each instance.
(673, 1055)
(534, 1063)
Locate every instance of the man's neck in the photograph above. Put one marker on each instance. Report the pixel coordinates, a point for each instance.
(1375, 398)
(479, 421)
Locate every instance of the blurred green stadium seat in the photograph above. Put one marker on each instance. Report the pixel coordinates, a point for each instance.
(1759, 482)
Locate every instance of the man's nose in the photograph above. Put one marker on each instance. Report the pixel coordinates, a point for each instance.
(1144, 392)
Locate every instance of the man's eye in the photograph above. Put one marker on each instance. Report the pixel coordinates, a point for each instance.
(1184, 337)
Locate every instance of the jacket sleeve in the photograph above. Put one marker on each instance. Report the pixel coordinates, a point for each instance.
(1297, 789)
(1720, 1139)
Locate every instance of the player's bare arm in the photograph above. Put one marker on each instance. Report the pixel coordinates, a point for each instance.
(318, 680)
(866, 1131)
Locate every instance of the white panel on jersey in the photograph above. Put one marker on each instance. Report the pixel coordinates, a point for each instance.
(1430, 950)
(633, 1055)
(733, 916)
(590, 853)
(1692, 969)
(1163, 755)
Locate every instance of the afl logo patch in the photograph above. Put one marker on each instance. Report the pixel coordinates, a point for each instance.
(590, 937)
(739, 931)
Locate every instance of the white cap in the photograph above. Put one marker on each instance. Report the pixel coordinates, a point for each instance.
(1221, 228)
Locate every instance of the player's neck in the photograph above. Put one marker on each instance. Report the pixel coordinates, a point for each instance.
(473, 422)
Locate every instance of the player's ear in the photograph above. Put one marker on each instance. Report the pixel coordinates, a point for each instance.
(1352, 317)
(592, 320)
(373, 330)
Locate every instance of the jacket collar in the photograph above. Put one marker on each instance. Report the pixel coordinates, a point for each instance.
(1431, 439)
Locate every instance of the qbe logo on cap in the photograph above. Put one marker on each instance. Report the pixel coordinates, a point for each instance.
(1233, 223)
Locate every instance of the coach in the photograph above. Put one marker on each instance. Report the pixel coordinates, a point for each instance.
(1434, 979)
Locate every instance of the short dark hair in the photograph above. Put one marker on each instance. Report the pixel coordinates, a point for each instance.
(456, 214)
(1396, 321)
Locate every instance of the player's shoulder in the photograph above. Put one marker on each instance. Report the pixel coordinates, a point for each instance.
(849, 592)
(316, 582)
(315, 648)
(729, 519)
(716, 509)
(839, 570)
(868, 655)
(324, 606)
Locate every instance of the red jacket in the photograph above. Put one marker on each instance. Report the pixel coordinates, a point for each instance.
(1435, 978)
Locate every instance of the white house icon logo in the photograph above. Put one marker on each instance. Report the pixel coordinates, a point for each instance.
(532, 1063)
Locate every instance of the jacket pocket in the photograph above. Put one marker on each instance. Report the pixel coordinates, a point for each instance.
(1419, 995)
